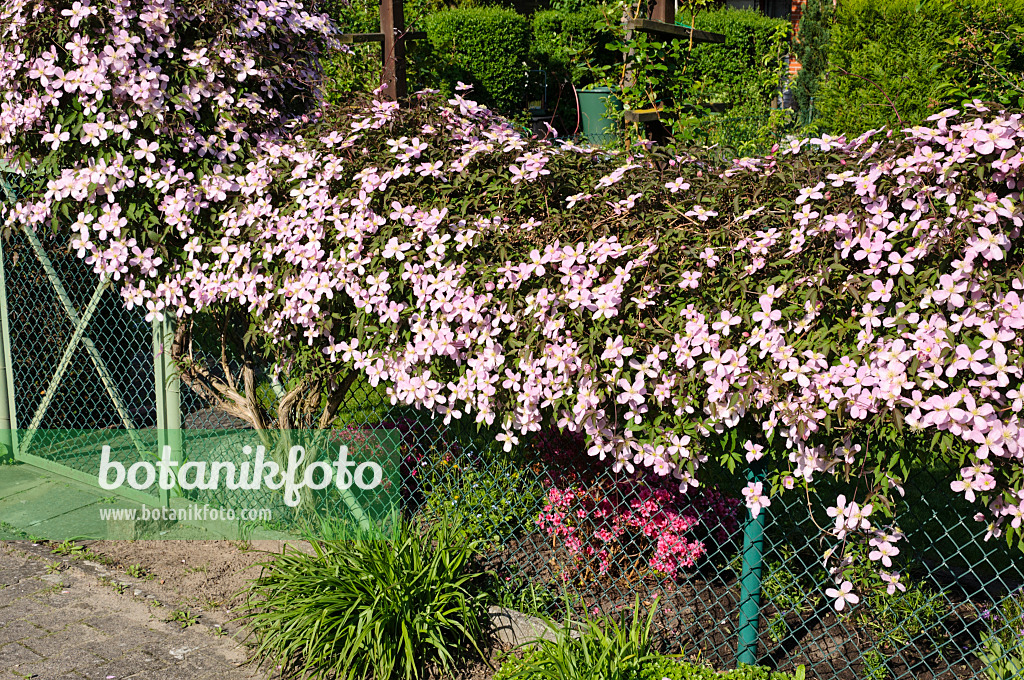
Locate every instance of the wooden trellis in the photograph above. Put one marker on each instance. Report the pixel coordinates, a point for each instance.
(662, 23)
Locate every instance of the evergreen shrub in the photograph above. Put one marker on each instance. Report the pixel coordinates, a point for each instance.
(483, 46)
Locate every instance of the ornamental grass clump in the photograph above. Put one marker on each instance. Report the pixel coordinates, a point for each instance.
(370, 606)
(614, 648)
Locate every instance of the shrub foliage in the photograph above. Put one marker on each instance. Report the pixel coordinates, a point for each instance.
(895, 62)
(485, 46)
(746, 70)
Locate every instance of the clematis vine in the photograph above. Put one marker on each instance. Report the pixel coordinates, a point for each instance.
(676, 313)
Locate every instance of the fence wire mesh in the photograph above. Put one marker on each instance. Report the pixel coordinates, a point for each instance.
(79, 359)
(557, 526)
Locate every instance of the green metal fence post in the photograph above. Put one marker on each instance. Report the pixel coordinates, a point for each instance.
(750, 578)
(8, 422)
(8, 419)
(168, 396)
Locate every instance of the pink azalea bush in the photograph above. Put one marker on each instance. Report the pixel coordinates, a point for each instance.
(792, 311)
(601, 528)
(639, 523)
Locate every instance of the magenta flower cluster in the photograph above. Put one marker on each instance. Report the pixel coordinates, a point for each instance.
(603, 529)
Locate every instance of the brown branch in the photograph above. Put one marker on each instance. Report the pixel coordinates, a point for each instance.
(334, 400)
(286, 407)
(209, 386)
(877, 87)
(249, 385)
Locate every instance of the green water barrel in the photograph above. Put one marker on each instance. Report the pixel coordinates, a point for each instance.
(595, 123)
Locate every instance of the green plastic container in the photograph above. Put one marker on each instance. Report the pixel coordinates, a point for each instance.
(595, 123)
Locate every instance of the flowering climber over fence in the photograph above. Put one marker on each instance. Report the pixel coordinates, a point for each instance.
(843, 307)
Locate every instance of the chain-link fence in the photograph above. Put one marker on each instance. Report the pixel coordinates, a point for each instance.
(78, 360)
(557, 526)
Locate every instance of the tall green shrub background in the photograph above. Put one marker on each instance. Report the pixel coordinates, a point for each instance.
(865, 63)
(811, 50)
(899, 61)
(565, 42)
(882, 61)
(747, 70)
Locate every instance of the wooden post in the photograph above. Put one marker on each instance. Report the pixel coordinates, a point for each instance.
(392, 25)
(664, 11)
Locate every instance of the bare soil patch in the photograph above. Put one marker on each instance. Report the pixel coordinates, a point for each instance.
(208, 578)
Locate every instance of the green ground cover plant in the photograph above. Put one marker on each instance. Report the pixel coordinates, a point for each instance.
(487, 500)
(1002, 649)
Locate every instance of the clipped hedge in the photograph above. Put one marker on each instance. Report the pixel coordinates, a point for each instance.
(908, 56)
(557, 32)
(746, 69)
(484, 46)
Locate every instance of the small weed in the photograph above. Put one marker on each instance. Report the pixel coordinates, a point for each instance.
(201, 569)
(69, 549)
(219, 631)
(117, 587)
(52, 590)
(136, 571)
(100, 558)
(54, 567)
(11, 529)
(898, 619)
(778, 628)
(184, 618)
(876, 668)
(209, 604)
(1007, 618)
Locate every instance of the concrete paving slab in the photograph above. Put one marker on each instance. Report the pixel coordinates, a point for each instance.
(17, 478)
(43, 502)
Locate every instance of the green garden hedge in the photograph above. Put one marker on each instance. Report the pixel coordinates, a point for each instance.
(485, 46)
(893, 61)
(554, 30)
(745, 69)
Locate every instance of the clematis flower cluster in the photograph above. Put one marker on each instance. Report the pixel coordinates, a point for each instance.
(665, 308)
